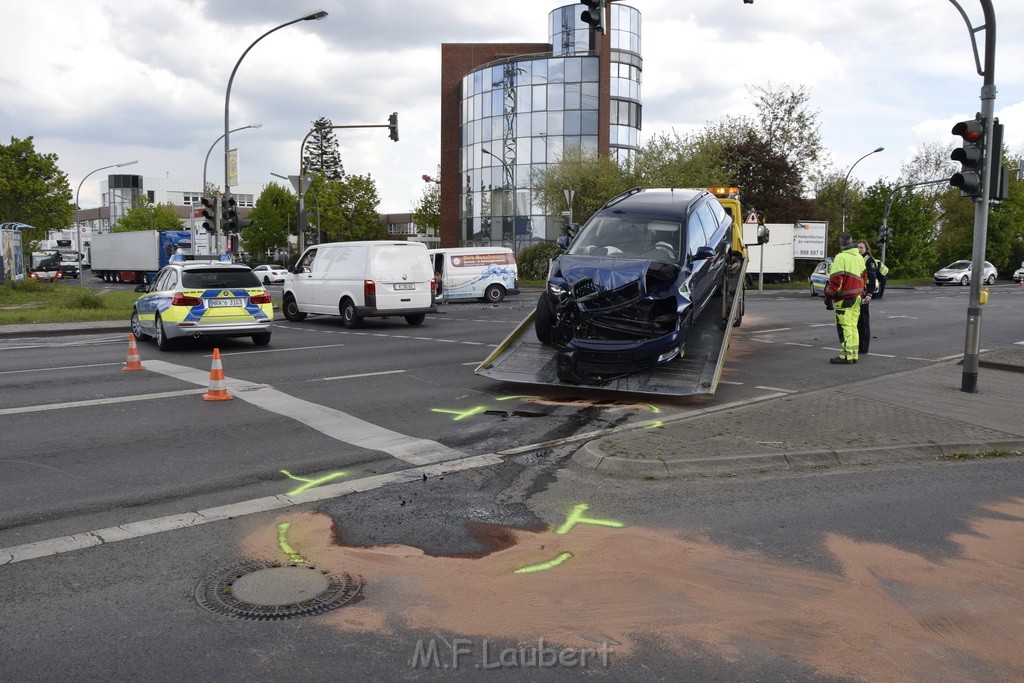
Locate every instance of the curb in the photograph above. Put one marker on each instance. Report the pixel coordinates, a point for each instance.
(590, 455)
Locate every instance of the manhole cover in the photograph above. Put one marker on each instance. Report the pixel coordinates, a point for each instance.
(263, 591)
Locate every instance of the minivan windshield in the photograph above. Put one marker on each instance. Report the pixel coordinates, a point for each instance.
(629, 237)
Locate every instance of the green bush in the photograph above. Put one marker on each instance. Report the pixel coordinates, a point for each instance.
(85, 298)
(533, 261)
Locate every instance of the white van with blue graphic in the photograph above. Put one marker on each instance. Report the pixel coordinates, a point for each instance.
(485, 273)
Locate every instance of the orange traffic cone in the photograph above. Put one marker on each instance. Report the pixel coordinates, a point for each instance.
(217, 391)
(134, 362)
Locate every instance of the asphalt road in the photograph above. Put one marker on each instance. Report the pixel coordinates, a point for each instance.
(763, 577)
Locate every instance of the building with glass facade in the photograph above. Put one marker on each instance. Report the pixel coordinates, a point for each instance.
(508, 110)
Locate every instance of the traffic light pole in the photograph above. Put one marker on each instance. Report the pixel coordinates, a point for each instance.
(972, 341)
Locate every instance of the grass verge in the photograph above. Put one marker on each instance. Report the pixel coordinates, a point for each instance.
(29, 301)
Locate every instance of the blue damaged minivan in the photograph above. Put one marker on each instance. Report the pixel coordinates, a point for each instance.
(624, 295)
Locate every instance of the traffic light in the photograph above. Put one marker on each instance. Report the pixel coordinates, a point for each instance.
(229, 214)
(971, 157)
(209, 215)
(593, 16)
(883, 234)
(393, 126)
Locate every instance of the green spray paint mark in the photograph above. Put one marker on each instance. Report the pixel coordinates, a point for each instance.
(282, 543)
(461, 414)
(653, 408)
(544, 565)
(310, 483)
(576, 517)
(512, 398)
(654, 424)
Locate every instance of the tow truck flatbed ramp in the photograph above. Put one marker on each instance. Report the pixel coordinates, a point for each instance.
(521, 358)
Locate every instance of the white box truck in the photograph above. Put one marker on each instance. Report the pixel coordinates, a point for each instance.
(777, 254)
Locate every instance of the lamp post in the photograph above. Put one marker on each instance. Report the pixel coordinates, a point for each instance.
(203, 190)
(510, 179)
(846, 180)
(312, 16)
(78, 207)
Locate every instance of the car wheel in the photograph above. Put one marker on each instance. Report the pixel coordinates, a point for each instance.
(266, 279)
(964, 281)
(137, 328)
(349, 318)
(494, 294)
(162, 342)
(261, 339)
(543, 319)
(291, 310)
(416, 319)
(813, 291)
(991, 280)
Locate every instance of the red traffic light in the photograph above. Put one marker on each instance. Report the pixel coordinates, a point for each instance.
(971, 131)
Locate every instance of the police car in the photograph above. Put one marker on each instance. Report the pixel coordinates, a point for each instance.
(194, 299)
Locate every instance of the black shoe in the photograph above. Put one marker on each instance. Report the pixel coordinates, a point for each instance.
(864, 351)
(841, 361)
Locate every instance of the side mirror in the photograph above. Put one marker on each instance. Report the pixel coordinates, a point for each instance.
(703, 253)
(563, 241)
(141, 288)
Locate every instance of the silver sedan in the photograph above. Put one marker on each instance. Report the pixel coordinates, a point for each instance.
(959, 273)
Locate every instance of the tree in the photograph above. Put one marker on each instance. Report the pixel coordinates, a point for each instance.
(427, 212)
(790, 127)
(320, 156)
(768, 181)
(146, 216)
(594, 180)
(33, 190)
(348, 208)
(696, 160)
(271, 217)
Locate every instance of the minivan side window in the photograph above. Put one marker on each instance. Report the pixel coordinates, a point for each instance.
(306, 264)
(695, 238)
(711, 222)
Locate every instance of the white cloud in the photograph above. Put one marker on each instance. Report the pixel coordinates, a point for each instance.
(115, 81)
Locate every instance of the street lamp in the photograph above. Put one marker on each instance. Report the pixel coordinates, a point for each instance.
(846, 180)
(509, 178)
(203, 190)
(312, 16)
(78, 207)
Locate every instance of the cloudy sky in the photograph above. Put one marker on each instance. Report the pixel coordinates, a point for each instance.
(98, 82)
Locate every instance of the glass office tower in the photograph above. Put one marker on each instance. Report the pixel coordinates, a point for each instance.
(520, 113)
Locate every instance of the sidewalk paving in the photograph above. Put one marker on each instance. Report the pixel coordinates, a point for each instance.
(917, 414)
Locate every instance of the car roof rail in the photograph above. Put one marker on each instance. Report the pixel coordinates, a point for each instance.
(619, 197)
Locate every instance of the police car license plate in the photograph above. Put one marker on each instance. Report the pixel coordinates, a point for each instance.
(217, 303)
(404, 285)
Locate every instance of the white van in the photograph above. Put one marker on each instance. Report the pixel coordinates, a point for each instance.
(485, 273)
(359, 280)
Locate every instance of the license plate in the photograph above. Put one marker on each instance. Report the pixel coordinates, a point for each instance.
(405, 285)
(217, 303)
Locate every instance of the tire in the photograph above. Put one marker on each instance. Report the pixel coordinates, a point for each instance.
(349, 318)
(991, 280)
(543, 319)
(291, 310)
(261, 339)
(964, 281)
(813, 291)
(162, 342)
(137, 328)
(416, 319)
(494, 294)
(266, 279)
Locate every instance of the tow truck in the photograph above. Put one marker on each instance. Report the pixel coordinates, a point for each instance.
(523, 359)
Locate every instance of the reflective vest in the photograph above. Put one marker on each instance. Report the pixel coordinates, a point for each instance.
(847, 275)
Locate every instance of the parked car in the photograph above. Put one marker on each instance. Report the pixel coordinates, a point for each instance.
(819, 278)
(622, 297)
(193, 299)
(959, 272)
(270, 273)
(1018, 275)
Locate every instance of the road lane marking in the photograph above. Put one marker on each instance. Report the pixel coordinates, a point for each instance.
(365, 374)
(777, 329)
(65, 367)
(328, 421)
(101, 401)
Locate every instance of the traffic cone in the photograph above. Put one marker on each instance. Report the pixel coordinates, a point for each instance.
(134, 362)
(217, 391)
